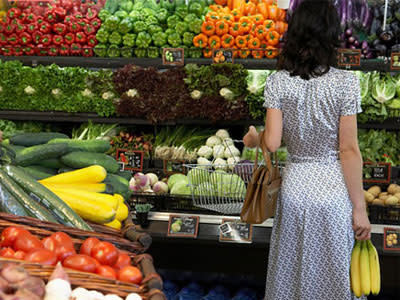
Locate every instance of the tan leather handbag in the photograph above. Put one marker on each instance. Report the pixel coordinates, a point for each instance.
(262, 190)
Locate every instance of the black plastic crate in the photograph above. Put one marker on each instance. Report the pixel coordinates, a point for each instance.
(384, 214)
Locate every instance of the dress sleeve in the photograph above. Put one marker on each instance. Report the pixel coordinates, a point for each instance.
(271, 95)
(351, 102)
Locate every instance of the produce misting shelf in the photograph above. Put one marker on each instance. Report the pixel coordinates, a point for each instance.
(115, 63)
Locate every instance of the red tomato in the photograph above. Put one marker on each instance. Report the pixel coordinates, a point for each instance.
(130, 274)
(19, 255)
(63, 252)
(122, 261)
(49, 243)
(9, 235)
(7, 252)
(27, 243)
(42, 256)
(88, 245)
(62, 248)
(63, 239)
(106, 271)
(81, 262)
(105, 253)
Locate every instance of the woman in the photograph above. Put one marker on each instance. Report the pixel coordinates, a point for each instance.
(321, 207)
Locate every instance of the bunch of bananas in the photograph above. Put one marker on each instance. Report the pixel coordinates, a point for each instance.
(365, 272)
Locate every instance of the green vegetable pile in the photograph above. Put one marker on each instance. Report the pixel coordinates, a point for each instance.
(141, 28)
(51, 88)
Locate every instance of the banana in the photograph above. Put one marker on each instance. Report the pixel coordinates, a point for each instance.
(365, 273)
(355, 270)
(375, 269)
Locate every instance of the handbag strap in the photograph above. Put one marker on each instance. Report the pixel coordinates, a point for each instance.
(266, 154)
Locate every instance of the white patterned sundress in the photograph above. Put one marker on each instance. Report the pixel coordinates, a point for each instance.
(312, 237)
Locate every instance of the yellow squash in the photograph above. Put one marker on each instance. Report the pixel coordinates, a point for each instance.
(114, 224)
(92, 174)
(122, 211)
(89, 187)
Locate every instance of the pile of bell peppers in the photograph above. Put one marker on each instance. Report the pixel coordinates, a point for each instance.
(254, 28)
(60, 27)
(144, 27)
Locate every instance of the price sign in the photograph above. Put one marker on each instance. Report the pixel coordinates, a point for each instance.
(349, 57)
(391, 239)
(234, 231)
(174, 166)
(130, 160)
(222, 56)
(395, 61)
(377, 172)
(173, 56)
(183, 226)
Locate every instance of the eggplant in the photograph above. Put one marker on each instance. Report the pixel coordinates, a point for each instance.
(364, 45)
(343, 13)
(389, 15)
(351, 40)
(397, 14)
(367, 19)
(375, 26)
(377, 13)
(349, 12)
(356, 43)
(349, 32)
(363, 12)
(381, 49)
(387, 37)
(369, 55)
(355, 16)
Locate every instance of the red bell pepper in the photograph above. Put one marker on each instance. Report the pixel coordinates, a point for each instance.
(22, 17)
(39, 20)
(78, 16)
(53, 50)
(96, 23)
(25, 38)
(46, 39)
(64, 50)
(69, 38)
(67, 4)
(60, 13)
(58, 39)
(13, 13)
(82, 22)
(18, 50)
(91, 41)
(20, 28)
(45, 27)
(41, 50)
(74, 27)
(87, 52)
(50, 16)
(80, 37)
(76, 49)
(69, 19)
(9, 29)
(7, 51)
(3, 39)
(2, 26)
(91, 13)
(36, 37)
(29, 49)
(59, 28)
(13, 22)
(89, 29)
(30, 18)
(12, 39)
(31, 28)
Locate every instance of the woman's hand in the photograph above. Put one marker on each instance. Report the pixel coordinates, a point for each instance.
(361, 225)
(251, 138)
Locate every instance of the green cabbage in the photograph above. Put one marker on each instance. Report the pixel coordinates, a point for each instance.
(180, 188)
(198, 176)
(175, 179)
(256, 80)
(383, 89)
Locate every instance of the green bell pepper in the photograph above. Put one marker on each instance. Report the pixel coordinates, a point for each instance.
(151, 20)
(152, 29)
(188, 38)
(140, 52)
(174, 39)
(135, 15)
(195, 52)
(129, 40)
(152, 52)
(126, 25)
(113, 51)
(126, 5)
(111, 23)
(162, 15)
(143, 40)
(115, 38)
(181, 28)
(180, 3)
(195, 26)
(148, 12)
(104, 14)
(181, 11)
(138, 5)
(169, 31)
(126, 52)
(102, 35)
(159, 38)
(100, 50)
(168, 5)
(172, 21)
(196, 8)
(190, 18)
(139, 26)
(121, 14)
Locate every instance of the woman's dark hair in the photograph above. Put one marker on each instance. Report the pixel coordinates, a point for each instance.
(311, 40)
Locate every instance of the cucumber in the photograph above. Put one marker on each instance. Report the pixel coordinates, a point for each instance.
(33, 139)
(35, 154)
(39, 172)
(9, 204)
(16, 148)
(125, 174)
(33, 208)
(81, 159)
(119, 184)
(100, 146)
(62, 211)
(52, 163)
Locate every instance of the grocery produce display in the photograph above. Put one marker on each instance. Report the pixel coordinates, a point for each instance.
(376, 196)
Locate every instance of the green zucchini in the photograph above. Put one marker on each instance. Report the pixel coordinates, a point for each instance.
(99, 146)
(38, 172)
(9, 204)
(119, 184)
(52, 163)
(81, 159)
(16, 148)
(35, 154)
(65, 169)
(32, 207)
(61, 210)
(33, 139)
(125, 174)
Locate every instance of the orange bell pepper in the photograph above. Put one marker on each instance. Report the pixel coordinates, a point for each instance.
(263, 44)
(235, 51)
(281, 14)
(269, 25)
(228, 18)
(235, 29)
(257, 54)
(215, 8)
(241, 5)
(208, 28)
(271, 52)
(254, 43)
(249, 37)
(214, 42)
(245, 25)
(221, 2)
(260, 32)
(262, 9)
(250, 9)
(272, 38)
(281, 27)
(230, 4)
(236, 14)
(221, 27)
(207, 53)
(273, 12)
(212, 16)
(241, 41)
(269, 2)
(257, 19)
(200, 40)
(227, 41)
(244, 53)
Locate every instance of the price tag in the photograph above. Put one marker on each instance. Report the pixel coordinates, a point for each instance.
(391, 239)
(395, 61)
(183, 226)
(377, 172)
(173, 56)
(174, 166)
(130, 160)
(349, 57)
(222, 56)
(234, 231)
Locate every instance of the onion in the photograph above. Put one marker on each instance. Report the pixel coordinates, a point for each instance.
(141, 180)
(34, 285)
(160, 187)
(364, 45)
(14, 273)
(349, 32)
(153, 178)
(351, 40)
